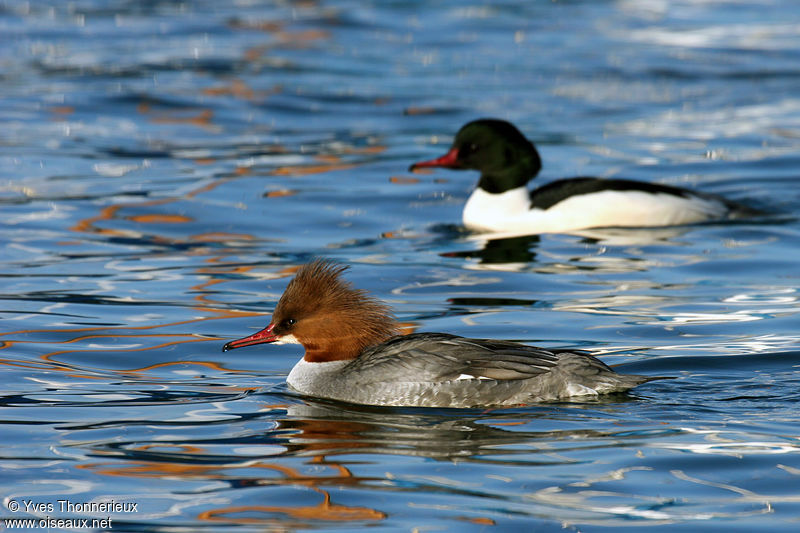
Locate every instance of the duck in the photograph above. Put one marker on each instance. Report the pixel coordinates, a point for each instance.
(502, 203)
(354, 352)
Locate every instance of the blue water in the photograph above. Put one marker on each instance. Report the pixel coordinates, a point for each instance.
(165, 165)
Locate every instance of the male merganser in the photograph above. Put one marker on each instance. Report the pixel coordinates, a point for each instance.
(502, 203)
(354, 354)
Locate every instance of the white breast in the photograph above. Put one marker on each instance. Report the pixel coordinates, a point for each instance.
(311, 378)
(495, 212)
(510, 211)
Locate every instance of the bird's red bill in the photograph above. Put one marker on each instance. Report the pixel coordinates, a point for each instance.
(448, 160)
(264, 336)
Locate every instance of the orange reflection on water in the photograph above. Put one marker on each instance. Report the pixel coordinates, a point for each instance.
(325, 510)
(328, 162)
(159, 218)
(202, 118)
(361, 150)
(239, 89)
(403, 180)
(304, 170)
(279, 193)
(111, 212)
(111, 333)
(88, 225)
(61, 110)
(482, 521)
(224, 313)
(411, 111)
(107, 213)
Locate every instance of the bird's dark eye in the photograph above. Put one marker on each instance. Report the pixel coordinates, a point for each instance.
(467, 150)
(289, 322)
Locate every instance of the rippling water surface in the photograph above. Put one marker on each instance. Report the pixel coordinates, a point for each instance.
(166, 165)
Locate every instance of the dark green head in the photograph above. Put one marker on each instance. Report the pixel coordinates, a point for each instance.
(504, 157)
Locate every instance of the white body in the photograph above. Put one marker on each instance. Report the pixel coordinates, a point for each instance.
(510, 212)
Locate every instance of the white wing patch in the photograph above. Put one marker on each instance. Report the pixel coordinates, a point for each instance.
(470, 376)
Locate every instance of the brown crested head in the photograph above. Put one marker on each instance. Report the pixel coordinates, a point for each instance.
(328, 316)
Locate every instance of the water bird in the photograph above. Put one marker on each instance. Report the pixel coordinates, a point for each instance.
(502, 203)
(353, 353)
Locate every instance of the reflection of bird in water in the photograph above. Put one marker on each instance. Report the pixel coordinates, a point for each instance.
(323, 427)
(499, 252)
(509, 251)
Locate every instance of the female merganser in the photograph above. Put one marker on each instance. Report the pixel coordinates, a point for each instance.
(502, 203)
(354, 354)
